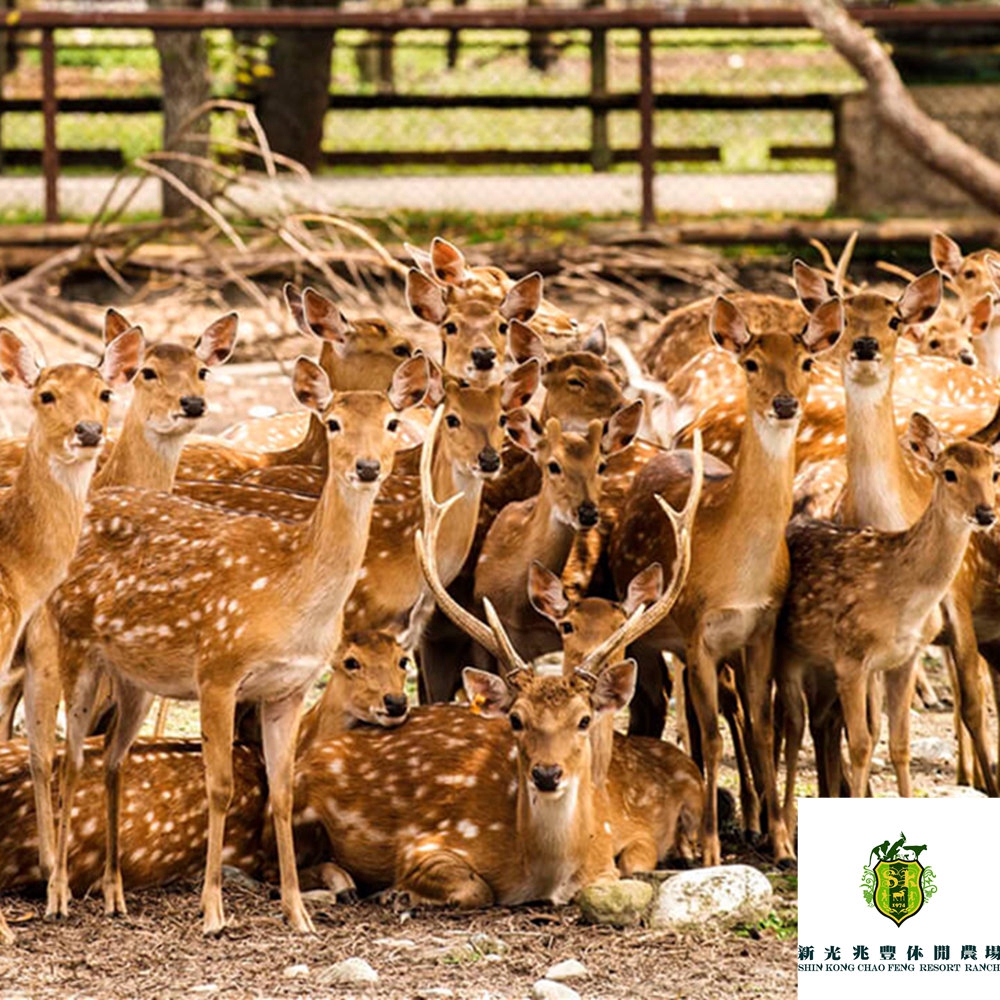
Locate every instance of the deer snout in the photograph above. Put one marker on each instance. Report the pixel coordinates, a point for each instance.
(483, 358)
(865, 349)
(395, 705)
(193, 406)
(785, 406)
(489, 459)
(985, 515)
(587, 513)
(89, 433)
(967, 358)
(367, 469)
(546, 777)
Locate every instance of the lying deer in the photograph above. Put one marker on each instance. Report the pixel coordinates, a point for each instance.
(864, 601)
(42, 513)
(253, 618)
(740, 564)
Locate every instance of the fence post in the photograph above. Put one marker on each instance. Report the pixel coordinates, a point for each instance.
(647, 151)
(50, 151)
(600, 149)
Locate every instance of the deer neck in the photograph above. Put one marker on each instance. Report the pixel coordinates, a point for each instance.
(932, 550)
(141, 457)
(879, 482)
(459, 527)
(549, 538)
(311, 450)
(40, 520)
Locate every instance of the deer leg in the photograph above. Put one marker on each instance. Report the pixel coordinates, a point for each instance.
(792, 700)
(11, 690)
(732, 709)
(160, 727)
(328, 876)
(705, 701)
(639, 856)
(852, 689)
(444, 878)
(6, 934)
(900, 685)
(133, 704)
(648, 711)
(217, 706)
(280, 730)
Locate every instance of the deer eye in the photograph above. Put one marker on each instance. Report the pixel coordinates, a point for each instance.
(516, 723)
(47, 397)
(566, 627)
(807, 365)
(750, 365)
(894, 322)
(503, 327)
(969, 275)
(401, 351)
(934, 344)
(996, 477)
(393, 425)
(404, 663)
(203, 373)
(950, 476)
(333, 426)
(576, 383)
(602, 467)
(584, 723)
(106, 396)
(555, 468)
(148, 374)
(452, 421)
(351, 663)
(450, 328)
(503, 419)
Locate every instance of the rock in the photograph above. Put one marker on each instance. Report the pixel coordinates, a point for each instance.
(486, 944)
(295, 971)
(955, 792)
(620, 904)
(933, 750)
(726, 895)
(546, 989)
(570, 969)
(350, 972)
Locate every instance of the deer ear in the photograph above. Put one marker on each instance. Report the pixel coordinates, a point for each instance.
(425, 299)
(615, 687)
(727, 326)
(488, 695)
(435, 382)
(447, 262)
(993, 268)
(115, 324)
(523, 298)
(409, 382)
(293, 299)
(824, 327)
(810, 285)
(311, 384)
(17, 363)
(520, 385)
(524, 430)
(596, 342)
(622, 428)
(323, 318)
(215, 345)
(523, 343)
(923, 439)
(545, 592)
(921, 298)
(981, 315)
(421, 259)
(644, 588)
(122, 357)
(946, 254)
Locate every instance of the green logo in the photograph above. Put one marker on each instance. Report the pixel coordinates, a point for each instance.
(894, 880)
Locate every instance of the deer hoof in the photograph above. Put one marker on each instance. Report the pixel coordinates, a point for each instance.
(348, 896)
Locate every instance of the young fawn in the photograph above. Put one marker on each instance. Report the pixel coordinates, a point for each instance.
(42, 513)
(740, 564)
(253, 619)
(864, 601)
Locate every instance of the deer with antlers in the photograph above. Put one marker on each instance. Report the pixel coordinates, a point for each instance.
(740, 571)
(42, 513)
(253, 618)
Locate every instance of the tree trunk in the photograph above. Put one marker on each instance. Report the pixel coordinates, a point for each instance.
(927, 140)
(295, 101)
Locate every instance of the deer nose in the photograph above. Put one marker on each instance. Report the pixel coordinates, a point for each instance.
(483, 358)
(395, 705)
(785, 406)
(966, 358)
(88, 433)
(985, 515)
(865, 348)
(367, 469)
(546, 777)
(193, 406)
(489, 459)
(587, 513)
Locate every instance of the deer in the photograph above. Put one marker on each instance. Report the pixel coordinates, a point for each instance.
(253, 618)
(42, 513)
(741, 523)
(865, 601)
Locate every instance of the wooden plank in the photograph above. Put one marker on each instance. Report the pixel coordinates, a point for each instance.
(803, 152)
(511, 157)
(110, 159)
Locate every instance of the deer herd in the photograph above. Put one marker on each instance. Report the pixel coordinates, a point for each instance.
(774, 511)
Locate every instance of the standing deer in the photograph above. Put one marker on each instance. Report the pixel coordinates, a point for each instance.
(730, 603)
(42, 513)
(253, 618)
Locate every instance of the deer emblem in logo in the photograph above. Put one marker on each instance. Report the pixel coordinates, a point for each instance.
(895, 881)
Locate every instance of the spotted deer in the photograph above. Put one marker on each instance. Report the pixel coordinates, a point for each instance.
(740, 570)
(253, 618)
(41, 514)
(863, 601)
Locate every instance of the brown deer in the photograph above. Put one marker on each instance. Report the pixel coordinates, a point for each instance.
(253, 617)
(740, 564)
(865, 601)
(42, 513)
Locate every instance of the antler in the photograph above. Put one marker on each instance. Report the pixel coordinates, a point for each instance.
(838, 270)
(644, 619)
(493, 637)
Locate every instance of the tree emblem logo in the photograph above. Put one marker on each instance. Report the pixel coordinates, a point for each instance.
(894, 880)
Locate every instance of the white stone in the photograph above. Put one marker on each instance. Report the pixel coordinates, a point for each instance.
(546, 989)
(933, 750)
(295, 971)
(955, 792)
(352, 971)
(570, 969)
(726, 894)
